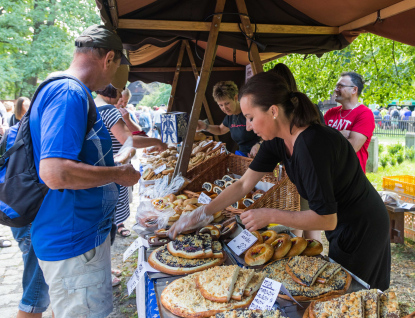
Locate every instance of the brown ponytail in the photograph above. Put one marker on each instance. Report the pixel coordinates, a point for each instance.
(267, 89)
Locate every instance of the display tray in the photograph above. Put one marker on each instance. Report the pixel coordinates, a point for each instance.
(288, 308)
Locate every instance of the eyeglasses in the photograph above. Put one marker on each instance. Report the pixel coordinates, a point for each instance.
(340, 86)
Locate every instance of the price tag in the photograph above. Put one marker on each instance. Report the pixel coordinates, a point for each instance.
(204, 199)
(134, 246)
(406, 206)
(138, 274)
(267, 295)
(242, 242)
(160, 169)
(217, 145)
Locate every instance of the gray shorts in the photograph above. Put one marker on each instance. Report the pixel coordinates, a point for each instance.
(81, 286)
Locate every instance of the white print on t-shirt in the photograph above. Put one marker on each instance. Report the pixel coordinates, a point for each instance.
(339, 124)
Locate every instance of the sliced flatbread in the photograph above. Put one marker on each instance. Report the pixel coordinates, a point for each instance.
(371, 302)
(162, 260)
(188, 246)
(183, 299)
(329, 272)
(217, 283)
(338, 285)
(389, 307)
(305, 270)
(254, 284)
(350, 305)
(248, 313)
(244, 277)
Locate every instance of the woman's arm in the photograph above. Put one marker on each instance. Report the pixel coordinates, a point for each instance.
(216, 130)
(132, 126)
(303, 220)
(121, 133)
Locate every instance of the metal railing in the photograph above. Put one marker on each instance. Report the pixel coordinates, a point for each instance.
(394, 127)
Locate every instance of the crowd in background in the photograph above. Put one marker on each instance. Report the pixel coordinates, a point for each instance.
(394, 117)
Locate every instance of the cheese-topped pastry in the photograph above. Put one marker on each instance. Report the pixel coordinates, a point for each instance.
(350, 305)
(244, 277)
(182, 298)
(389, 307)
(335, 286)
(305, 270)
(248, 313)
(254, 284)
(217, 283)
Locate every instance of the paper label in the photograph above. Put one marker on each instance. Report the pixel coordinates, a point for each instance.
(222, 150)
(160, 169)
(217, 145)
(134, 246)
(204, 199)
(242, 242)
(406, 206)
(268, 293)
(138, 274)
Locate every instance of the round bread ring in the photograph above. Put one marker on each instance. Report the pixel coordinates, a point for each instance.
(258, 236)
(282, 246)
(298, 246)
(259, 254)
(212, 230)
(313, 248)
(269, 236)
(161, 233)
(157, 241)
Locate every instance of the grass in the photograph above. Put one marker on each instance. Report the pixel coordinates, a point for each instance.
(407, 167)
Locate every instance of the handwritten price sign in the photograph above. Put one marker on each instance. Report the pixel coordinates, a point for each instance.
(242, 242)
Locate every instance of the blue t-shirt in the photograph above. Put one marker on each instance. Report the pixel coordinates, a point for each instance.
(71, 222)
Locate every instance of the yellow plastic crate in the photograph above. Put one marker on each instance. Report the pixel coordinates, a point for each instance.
(402, 184)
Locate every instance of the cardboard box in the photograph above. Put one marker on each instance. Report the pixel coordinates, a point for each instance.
(173, 127)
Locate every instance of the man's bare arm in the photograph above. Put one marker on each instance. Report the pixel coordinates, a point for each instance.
(356, 139)
(59, 173)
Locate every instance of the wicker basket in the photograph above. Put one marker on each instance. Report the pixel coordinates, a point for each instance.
(204, 165)
(283, 195)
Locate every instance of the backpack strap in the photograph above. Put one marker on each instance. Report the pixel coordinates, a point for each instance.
(92, 111)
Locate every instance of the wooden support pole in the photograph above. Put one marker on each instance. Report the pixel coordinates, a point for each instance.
(255, 60)
(176, 77)
(114, 13)
(196, 74)
(207, 64)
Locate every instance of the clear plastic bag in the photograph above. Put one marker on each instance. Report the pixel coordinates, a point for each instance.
(150, 218)
(390, 198)
(163, 187)
(126, 152)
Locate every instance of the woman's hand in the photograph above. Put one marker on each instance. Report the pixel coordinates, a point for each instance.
(189, 221)
(254, 150)
(256, 219)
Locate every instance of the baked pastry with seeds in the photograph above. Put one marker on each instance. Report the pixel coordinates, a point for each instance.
(305, 270)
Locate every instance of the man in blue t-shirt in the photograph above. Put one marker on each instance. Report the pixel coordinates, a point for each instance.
(70, 234)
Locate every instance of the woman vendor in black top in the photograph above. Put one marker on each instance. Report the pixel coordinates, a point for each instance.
(324, 167)
(226, 95)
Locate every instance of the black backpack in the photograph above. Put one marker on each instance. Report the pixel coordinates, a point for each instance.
(21, 193)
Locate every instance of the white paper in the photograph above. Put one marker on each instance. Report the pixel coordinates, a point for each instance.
(217, 145)
(222, 150)
(406, 206)
(134, 246)
(160, 169)
(267, 295)
(242, 242)
(138, 274)
(204, 199)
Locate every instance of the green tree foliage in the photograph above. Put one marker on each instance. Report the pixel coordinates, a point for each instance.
(159, 94)
(37, 38)
(387, 66)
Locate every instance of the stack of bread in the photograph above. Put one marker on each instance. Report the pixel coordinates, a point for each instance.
(209, 292)
(271, 246)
